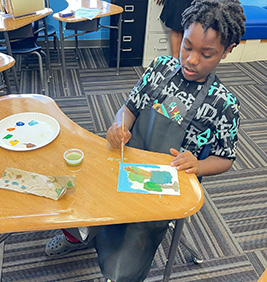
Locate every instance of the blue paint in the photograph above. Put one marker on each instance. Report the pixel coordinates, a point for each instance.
(20, 123)
(161, 177)
(32, 122)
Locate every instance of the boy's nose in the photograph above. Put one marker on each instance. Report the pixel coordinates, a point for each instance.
(193, 59)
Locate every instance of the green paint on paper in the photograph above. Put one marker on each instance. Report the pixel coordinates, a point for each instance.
(152, 186)
(59, 190)
(136, 177)
(69, 184)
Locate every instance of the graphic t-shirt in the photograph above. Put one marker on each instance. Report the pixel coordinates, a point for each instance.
(216, 121)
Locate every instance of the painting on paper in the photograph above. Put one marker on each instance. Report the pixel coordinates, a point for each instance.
(148, 178)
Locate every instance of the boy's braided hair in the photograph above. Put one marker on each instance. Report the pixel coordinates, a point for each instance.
(224, 16)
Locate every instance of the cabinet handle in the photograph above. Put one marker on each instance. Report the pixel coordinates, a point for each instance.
(126, 50)
(161, 49)
(127, 38)
(129, 8)
(129, 21)
(163, 40)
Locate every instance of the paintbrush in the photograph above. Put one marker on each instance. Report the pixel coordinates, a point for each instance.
(122, 144)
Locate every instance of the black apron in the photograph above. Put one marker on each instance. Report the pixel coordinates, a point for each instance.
(125, 251)
(151, 128)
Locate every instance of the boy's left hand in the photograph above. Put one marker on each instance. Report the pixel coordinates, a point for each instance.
(185, 161)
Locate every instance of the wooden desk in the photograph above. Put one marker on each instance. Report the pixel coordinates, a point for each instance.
(95, 200)
(107, 9)
(263, 277)
(8, 23)
(6, 62)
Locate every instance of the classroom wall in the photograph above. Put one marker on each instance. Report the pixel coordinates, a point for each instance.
(59, 5)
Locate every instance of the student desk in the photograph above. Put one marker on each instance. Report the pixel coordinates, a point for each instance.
(6, 62)
(85, 26)
(95, 200)
(8, 24)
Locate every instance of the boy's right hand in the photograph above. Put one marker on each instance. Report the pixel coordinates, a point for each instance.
(115, 135)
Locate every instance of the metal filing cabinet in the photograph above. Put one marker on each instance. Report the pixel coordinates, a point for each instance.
(133, 32)
(157, 35)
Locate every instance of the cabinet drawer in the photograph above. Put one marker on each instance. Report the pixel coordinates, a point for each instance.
(158, 45)
(131, 44)
(133, 16)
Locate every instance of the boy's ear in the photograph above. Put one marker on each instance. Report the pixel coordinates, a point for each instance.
(228, 50)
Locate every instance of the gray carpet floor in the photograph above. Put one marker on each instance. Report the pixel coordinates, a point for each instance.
(230, 230)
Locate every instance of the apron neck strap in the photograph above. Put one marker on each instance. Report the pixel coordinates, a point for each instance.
(198, 101)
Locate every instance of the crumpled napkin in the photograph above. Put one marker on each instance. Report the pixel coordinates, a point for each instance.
(53, 187)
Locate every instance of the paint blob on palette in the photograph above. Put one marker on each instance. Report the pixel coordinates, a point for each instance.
(148, 178)
(27, 131)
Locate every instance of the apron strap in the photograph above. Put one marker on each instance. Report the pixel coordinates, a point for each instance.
(198, 101)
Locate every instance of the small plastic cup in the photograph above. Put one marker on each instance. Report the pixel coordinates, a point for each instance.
(73, 157)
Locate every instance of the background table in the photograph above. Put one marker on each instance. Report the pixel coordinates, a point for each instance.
(6, 62)
(107, 9)
(8, 23)
(95, 200)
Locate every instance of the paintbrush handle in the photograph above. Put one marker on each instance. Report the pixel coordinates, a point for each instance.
(122, 129)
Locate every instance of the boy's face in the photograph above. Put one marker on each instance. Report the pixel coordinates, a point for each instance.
(200, 52)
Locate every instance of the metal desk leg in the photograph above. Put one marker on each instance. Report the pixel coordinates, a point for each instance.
(119, 44)
(7, 83)
(47, 50)
(63, 55)
(9, 51)
(173, 248)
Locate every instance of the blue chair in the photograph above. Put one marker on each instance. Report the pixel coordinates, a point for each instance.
(23, 43)
(177, 236)
(51, 32)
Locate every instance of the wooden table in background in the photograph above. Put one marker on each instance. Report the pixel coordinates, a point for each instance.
(8, 23)
(107, 9)
(6, 62)
(95, 200)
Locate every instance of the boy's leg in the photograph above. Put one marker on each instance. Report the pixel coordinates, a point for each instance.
(126, 251)
(72, 239)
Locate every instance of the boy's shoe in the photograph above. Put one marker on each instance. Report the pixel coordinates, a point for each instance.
(59, 246)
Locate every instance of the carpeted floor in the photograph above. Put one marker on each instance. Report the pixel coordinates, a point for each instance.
(231, 228)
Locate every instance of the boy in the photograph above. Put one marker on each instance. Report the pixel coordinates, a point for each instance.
(177, 107)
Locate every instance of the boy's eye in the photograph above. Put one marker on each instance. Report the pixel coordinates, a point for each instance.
(206, 56)
(187, 48)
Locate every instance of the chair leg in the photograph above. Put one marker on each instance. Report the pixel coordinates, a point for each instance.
(41, 70)
(7, 82)
(49, 75)
(4, 236)
(173, 248)
(76, 46)
(57, 47)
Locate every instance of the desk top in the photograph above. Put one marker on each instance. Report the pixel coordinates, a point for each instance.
(8, 23)
(95, 200)
(6, 62)
(107, 9)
